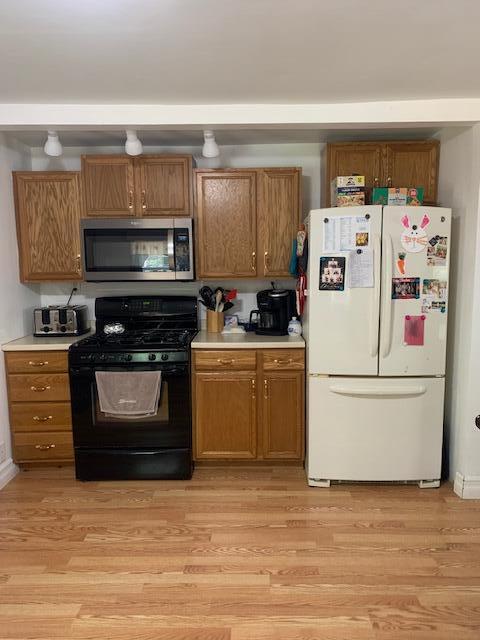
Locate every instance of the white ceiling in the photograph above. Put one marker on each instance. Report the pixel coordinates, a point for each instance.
(237, 51)
(224, 137)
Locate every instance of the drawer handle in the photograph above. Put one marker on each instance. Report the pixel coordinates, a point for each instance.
(44, 447)
(220, 361)
(40, 389)
(38, 364)
(289, 361)
(42, 418)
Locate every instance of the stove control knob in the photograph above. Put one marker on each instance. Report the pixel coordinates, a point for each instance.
(128, 357)
(152, 356)
(46, 329)
(103, 356)
(164, 356)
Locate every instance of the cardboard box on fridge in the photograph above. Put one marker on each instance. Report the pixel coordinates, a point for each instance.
(398, 196)
(349, 200)
(347, 191)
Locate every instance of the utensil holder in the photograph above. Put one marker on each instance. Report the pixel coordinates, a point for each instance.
(215, 321)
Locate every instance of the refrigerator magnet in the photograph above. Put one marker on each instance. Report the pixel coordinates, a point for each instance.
(405, 288)
(414, 237)
(332, 273)
(414, 331)
(401, 263)
(437, 251)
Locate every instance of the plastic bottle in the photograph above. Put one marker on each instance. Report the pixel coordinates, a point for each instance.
(294, 327)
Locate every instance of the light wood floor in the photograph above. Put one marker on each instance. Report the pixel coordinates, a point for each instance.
(236, 554)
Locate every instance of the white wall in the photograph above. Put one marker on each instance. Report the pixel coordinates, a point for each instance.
(308, 156)
(17, 300)
(459, 182)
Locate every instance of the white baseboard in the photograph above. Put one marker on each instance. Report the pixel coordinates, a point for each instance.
(467, 487)
(8, 470)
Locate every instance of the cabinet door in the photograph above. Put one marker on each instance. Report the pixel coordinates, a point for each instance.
(278, 219)
(283, 414)
(225, 418)
(163, 186)
(346, 159)
(48, 225)
(108, 186)
(226, 224)
(414, 164)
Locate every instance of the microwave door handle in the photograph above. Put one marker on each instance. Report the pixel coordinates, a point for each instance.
(171, 250)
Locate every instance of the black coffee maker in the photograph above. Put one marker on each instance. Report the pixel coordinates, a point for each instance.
(275, 310)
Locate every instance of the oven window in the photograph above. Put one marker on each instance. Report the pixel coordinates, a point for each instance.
(162, 415)
(135, 250)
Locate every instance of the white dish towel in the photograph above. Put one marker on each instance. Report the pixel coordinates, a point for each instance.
(128, 394)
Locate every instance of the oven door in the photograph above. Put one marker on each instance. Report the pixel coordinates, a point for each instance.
(170, 427)
(136, 249)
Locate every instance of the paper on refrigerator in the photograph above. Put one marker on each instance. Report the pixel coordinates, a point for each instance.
(345, 233)
(360, 269)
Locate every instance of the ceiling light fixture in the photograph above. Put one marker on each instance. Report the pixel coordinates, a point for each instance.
(210, 147)
(133, 146)
(53, 146)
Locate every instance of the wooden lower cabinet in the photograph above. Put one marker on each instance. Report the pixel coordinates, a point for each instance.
(282, 414)
(39, 404)
(226, 409)
(254, 414)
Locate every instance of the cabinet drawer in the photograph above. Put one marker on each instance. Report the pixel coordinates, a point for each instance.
(230, 360)
(276, 359)
(39, 388)
(38, 416)
(36, 361)
(43, 446)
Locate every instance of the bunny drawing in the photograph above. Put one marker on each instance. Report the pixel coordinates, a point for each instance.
(413, 238)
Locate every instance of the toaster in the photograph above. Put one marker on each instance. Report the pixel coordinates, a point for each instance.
(61, 320)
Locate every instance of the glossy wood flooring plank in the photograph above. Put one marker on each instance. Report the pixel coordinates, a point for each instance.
(236, 554)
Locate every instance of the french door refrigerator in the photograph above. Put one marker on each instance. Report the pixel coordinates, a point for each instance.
(375, 324)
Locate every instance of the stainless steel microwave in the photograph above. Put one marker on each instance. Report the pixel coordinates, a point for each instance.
(137, 249)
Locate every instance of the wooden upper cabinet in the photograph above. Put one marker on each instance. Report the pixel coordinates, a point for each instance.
(414, 164)
(278, 219)
(163, 186)
(226, 231)
(346, 159)
(48, 224)
(282, 414)
(220, 399)
(155, 186)
(396, 164)
(108, 183)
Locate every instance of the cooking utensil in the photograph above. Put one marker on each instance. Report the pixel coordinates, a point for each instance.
(207, 296)
(218, 298)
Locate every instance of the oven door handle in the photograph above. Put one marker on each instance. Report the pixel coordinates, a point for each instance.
(171, 250)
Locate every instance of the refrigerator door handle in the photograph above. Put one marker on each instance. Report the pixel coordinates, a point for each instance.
(376, 298)
(347, 390)
(387, 317)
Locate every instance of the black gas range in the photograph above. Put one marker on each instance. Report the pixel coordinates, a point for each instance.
(133, 334)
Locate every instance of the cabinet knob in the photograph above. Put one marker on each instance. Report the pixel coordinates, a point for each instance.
(389, 182)
(253, 388)
(130, 199)
(40, 363)
(78, 261)
(254, 266)
(39, 389)
(44, 447)
(42, 418)
(265, 389)
(144, 200)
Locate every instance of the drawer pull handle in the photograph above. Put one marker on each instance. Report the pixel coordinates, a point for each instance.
(42, 418)
(40, 389)
(289, 361)
(220, 361)
(38, 364)
(44, 447)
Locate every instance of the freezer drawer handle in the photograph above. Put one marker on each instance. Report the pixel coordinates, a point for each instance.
(412, 390)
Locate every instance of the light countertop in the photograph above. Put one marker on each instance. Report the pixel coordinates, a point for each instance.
(31, 343)
(250, 340)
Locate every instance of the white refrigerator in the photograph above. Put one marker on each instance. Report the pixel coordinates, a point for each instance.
(375, 324)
